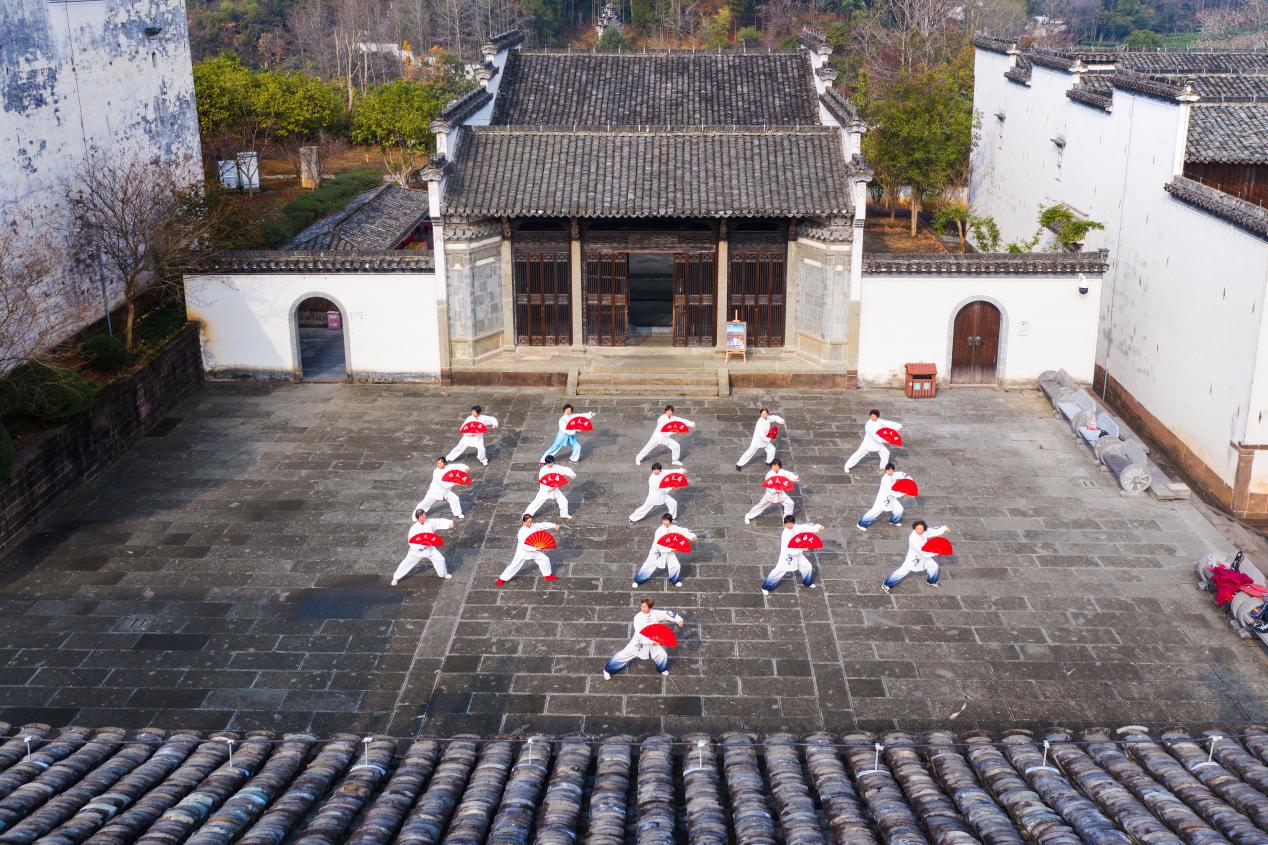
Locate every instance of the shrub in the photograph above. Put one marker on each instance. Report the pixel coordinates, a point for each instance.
(104, 353)
(49, 394)
(6, 452)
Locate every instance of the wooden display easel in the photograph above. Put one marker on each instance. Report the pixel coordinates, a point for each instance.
(736, 339)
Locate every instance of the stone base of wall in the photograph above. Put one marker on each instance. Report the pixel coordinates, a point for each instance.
(848, 380)
(61, 460)
(1235, 498)
(506, 378)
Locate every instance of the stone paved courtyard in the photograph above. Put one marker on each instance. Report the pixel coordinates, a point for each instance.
(232, 571)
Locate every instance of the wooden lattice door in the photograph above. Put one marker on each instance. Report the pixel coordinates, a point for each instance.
(695, 283)
(543, 308)
(606, 287)
(755, 288)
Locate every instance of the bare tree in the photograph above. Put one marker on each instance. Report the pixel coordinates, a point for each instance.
(143, 219)
(34, 314)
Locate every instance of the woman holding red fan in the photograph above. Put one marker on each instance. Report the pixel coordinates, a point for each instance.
(423, 545)
(887, 499)
(644, 644)
(569, 425)
(441, 488)
(657, 495)
(793, 544)
(550, 482)
(764, 432)
(669, 540)
(920, 558)
(473, 429)
(775, 489)
(667, 425)
(530, 544)
(878, 436)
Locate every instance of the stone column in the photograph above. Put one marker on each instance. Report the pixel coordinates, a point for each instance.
(791, 259)
(509, 335)
(575, 297)
(722, 295)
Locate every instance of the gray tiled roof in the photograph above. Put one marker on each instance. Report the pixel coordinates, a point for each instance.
(739, 172)
(108, 787)
(314, 261)
(1248, 215)
(466, 105)
(1194, 62)
(1242, 87)
(377, 220)
(676, 88)
(953, 264)
(1228, 133)
(839, 107)
(1020, 72)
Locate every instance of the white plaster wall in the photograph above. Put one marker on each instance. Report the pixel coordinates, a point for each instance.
(79, 76)
(248, 323)
(1045, 323)
(1182, 311)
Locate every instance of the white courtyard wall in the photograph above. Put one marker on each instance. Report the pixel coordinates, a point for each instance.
(81, 78)
(391, 330)
(1045, 323)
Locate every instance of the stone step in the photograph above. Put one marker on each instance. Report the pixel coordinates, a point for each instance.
(669, 378)
(647, 389)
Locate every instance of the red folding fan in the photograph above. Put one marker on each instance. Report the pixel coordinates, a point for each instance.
(661, 634)
(456, 476)
(579, 424)
(782, 483)
(426, 538)
(675, 427)
(473, 427)
(890, 436)
(542, 540)
(771, 432)
(805, 540)
(937, 546)
(672, 480)
(553, 479)
(675, 542)
(906, 487)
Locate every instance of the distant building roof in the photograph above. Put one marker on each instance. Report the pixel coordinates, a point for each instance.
(1228, 133)
(1097, 788)
(740, 172)
(377, 220)
(673, 88)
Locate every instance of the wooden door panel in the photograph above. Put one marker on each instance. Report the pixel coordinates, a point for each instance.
(975, 344)
(543, 308)
(755, 288)
(606, 288)
(694, 281)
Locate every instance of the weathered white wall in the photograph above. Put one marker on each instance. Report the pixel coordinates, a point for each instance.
(82, 76)
(1045, 323)
(248, 323)
(1182, 312)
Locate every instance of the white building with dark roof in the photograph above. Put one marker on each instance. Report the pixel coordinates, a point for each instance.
(1169, 150)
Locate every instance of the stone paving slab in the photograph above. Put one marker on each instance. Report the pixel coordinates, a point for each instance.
(234, 571)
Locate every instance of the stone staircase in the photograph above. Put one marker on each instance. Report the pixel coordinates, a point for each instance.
(628, 381)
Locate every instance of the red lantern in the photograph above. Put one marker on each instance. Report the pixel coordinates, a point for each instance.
(473, 427)
(890, 436)
(661, 634)
(542, 540)
(782, 483)
(456, 476)
(805, 540)
(579, 424)
(426, 538)
(675, 427)
(673, 480)
(675, 542)
(937, 546)
(553, 479)
(906, 487)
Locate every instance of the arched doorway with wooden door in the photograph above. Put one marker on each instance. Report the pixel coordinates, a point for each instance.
(975, 343)
(321, 339)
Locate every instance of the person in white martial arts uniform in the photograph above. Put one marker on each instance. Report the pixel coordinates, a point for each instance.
(442, 491)
(662, 558)
(524, 553)
(564, 437)
(773, 497)
(791, 560)
(416, 553)
(661, 438)
(886, 500)
(641, 647)
(546, 494)
(656, 497)
(761, 439)
(871, 443)
(916, 560)
(476, 440)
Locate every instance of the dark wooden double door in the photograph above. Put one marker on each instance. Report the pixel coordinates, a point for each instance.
(543, 301)
(975, 344)
(606, 289)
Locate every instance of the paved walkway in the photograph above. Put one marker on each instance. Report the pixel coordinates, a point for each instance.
(233, 572)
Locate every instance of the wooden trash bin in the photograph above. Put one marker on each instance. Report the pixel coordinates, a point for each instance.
(921, 381)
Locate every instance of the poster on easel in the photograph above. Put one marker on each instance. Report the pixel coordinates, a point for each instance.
(737, 338)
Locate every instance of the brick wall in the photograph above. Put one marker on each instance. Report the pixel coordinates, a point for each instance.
(59, 461)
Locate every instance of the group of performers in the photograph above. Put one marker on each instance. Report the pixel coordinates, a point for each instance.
(650, 632)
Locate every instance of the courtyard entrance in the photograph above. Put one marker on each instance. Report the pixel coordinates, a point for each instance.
(319, 330)
(975, 344)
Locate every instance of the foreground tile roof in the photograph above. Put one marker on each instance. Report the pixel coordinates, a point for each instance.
(1228, 133)
(1247, 215)
(737, 172)
(678, 88)
(376, 220)
(1100, 788)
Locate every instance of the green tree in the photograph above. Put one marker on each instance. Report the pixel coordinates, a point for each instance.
(642, 15)
(395, 117)
(715, 31)
(293, 109)
(613, 40)
(1143, 39)
(952, 219)
(925, 130)
(222, 87)
(1070, 229)
(748, 36)
(541, 20)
